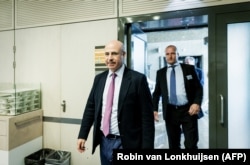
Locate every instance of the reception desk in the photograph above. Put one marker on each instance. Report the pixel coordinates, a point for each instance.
(19, 136)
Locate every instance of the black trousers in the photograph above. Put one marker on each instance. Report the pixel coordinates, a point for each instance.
(179, 121)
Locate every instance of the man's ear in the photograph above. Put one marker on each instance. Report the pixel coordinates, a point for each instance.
(177, 54)
(123, 53)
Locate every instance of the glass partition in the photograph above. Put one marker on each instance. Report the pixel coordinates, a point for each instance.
(15, 98)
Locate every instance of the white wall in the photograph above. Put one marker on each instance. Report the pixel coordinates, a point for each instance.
(61, 58)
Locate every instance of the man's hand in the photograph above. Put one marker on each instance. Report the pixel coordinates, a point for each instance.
(156, 116)
(81, 145)
(194, 109)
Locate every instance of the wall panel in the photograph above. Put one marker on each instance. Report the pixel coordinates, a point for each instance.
(132, 7)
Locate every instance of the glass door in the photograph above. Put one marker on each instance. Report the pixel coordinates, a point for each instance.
(232, 75)
(148, 41)
(138, 49)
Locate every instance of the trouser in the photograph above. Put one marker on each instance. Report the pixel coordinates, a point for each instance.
(106, 148)
(177, 121)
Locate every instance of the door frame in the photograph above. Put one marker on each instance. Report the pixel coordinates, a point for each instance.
(222, 20)
(212, 12)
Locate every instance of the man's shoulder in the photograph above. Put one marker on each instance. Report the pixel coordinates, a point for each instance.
(102, 74)
(135, 72)
(162, 69)
(187, 65)
(199, 70)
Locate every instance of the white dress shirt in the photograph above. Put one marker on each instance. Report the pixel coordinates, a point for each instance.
(180, 85)
(118, 80)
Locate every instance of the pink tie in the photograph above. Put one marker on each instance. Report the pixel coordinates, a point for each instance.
(107, 113)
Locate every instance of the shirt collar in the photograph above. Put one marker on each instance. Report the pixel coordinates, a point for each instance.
(175, 64)
(119, 72)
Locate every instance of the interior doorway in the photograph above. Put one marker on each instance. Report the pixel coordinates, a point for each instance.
(232, 47)
(221, 23)
(190, 35)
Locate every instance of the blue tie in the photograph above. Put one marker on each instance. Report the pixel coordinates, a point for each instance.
(173, 97)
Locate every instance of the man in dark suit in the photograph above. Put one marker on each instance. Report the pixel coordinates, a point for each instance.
(191, 61)
(132, 117)
(183, 113)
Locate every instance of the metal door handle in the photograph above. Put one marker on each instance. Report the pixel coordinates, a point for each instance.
(221, 109)
(64, 105)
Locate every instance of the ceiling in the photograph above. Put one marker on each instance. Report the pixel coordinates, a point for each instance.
(174, 23)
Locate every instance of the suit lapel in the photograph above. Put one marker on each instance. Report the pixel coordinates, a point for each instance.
(184, 71)
(102, 83)
(163, 78)
(126, 82)
(100, 90)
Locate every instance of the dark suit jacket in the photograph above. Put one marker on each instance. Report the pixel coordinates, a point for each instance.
(193, 87)
(135, 111)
